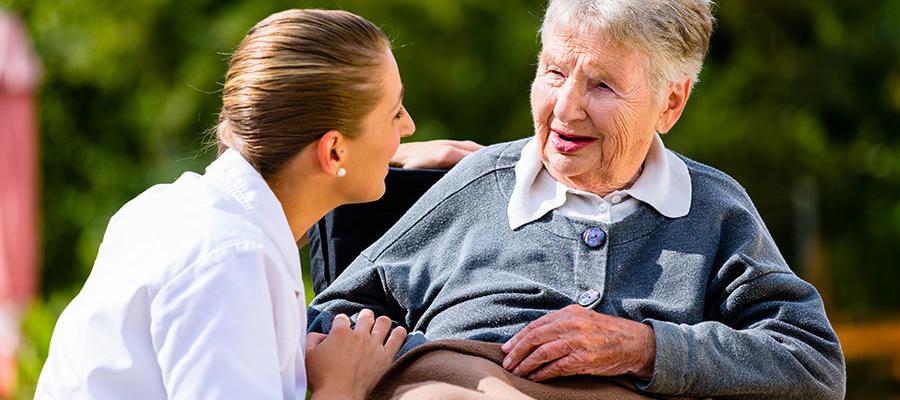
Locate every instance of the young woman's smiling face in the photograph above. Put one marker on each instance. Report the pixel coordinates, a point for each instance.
(380, 135)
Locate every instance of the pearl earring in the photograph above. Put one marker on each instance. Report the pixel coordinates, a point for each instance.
(341, 172)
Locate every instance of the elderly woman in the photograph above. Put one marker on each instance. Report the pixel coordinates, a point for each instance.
(591, 249)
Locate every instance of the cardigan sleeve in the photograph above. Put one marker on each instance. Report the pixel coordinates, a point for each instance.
(362, 285)
(765, 333)
(768, 338)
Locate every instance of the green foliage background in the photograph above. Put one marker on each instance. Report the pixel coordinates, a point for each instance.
(799, 100)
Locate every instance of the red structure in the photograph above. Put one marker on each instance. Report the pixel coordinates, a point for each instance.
(19, 75)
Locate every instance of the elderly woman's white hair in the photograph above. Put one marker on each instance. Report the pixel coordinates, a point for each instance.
(674, 34)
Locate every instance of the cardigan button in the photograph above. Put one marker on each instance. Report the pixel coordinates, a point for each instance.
(594, 237)
(589, 298)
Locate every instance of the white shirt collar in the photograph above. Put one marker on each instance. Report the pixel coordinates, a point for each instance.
(239, 179)
(664, 184)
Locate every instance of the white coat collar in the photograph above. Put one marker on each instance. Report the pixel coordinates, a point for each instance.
(241, 180)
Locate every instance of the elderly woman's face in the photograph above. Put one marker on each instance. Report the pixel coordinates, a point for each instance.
(594, 112)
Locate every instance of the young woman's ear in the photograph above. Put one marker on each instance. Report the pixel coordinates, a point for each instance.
(332, 153)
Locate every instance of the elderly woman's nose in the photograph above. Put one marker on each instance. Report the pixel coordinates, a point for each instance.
(569, 103)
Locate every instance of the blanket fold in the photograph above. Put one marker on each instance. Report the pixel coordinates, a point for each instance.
(468, 369)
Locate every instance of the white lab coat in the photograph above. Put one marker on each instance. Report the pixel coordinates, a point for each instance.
(195, 294)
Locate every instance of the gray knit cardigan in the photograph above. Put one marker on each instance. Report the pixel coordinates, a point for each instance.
(730, 317)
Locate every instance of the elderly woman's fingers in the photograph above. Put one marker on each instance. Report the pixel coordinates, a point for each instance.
(531, 340)
(544, 320)
(395, 341)
(546, 353)
(561, 367)
(364, 321)
(381, 328)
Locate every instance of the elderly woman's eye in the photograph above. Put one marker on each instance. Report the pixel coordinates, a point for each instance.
(555, 72)
(399, 114)
(602, 85)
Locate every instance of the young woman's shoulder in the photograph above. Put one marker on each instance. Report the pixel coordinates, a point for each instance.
(172, 226)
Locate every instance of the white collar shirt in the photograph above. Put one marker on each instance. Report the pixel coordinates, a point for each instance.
(195, 293)
(664, 184)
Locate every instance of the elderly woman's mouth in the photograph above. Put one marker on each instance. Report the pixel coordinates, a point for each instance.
(568, 143)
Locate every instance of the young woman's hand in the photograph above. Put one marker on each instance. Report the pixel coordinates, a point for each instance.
(434, 154)
(347, 362)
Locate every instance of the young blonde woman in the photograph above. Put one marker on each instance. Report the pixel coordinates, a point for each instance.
(196, 291)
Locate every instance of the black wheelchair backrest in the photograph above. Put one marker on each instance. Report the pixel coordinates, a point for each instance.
(338, 238)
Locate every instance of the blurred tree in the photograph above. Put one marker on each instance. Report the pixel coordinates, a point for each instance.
(800, 101)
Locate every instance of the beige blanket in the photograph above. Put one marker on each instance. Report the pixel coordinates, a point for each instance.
(466, 369)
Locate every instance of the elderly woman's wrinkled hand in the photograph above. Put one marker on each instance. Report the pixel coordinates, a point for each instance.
(579, 341)
(436, 154)
(348, 362)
